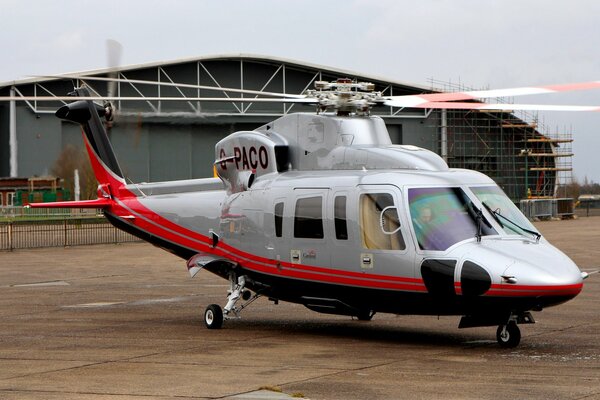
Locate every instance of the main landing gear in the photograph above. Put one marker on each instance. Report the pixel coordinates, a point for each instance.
(214, 315)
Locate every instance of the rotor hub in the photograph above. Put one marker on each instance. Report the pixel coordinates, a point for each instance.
(345, 96)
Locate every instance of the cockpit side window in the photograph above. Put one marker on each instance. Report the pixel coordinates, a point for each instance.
(379, 222)
(442, 217)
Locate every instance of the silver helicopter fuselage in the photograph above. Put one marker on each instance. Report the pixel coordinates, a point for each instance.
(324, 211)
(305, 224)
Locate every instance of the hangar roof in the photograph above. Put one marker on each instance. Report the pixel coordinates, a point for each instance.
(240, 56)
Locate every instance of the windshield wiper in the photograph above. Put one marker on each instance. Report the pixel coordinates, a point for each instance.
(496, 214)
(493, 212)
(478, 215)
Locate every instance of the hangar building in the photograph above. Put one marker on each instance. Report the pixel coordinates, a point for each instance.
(161, 140)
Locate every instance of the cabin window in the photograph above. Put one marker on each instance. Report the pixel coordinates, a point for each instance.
(379, 222)
(339, 215)
(278, 219)
(308, 219)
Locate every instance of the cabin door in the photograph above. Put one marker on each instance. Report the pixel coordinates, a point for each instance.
(309, 243)
(383, 234)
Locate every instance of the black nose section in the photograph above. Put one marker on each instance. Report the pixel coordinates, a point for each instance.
(438, 276)
(474, 280)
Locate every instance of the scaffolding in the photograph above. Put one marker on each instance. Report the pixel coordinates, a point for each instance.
(514, 149)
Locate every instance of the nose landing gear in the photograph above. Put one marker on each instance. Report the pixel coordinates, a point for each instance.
(509, 335)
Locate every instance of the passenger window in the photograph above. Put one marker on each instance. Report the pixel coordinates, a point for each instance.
(278, 219)
(379, 222)
(308, 219)
(339, 215)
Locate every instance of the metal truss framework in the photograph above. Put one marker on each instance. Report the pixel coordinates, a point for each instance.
(205, 75)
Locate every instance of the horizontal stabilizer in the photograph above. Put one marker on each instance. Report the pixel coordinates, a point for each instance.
(98, 203)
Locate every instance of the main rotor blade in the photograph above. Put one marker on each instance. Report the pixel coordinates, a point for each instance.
(181, 85)
(114, 50)
(496, 107)
(118, 98)
(412, 100)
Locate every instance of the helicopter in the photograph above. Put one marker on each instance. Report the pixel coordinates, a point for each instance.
(321, 209)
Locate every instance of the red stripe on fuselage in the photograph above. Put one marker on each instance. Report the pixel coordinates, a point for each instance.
(534, 290)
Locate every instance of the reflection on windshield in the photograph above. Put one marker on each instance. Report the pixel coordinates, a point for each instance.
(442, 217)
(497, 201)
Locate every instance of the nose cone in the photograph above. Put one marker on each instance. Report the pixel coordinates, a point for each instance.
(543, 273)
(559, 279)
(524, 274)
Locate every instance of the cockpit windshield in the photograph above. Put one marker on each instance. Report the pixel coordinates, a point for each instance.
(512, 220)
(442, 217)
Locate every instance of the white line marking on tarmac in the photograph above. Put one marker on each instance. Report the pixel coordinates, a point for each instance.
(93, 305)
(143, 302)
(39, 284)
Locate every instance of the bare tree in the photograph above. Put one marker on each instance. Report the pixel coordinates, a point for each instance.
(65, 165)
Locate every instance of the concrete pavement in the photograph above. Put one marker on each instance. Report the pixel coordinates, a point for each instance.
(125, 322)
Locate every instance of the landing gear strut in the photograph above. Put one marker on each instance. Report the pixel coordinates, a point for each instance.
(214, 315)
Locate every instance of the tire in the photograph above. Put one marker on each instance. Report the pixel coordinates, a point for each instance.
(213, 317)
(511, 337)
(365, 315)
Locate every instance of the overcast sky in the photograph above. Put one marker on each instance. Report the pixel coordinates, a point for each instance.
(482, 44)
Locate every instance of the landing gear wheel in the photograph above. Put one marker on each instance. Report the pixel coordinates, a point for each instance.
(213, 317)
(508, 336)
(365, 315)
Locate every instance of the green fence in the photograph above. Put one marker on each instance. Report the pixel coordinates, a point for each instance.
(58, 230)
